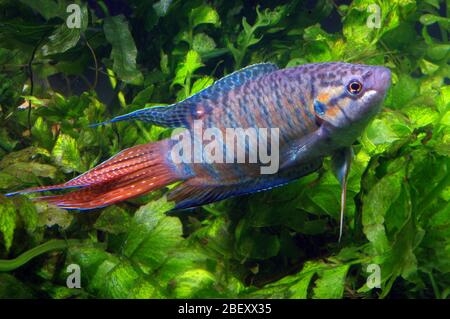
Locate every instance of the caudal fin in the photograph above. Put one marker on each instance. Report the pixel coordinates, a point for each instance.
(132, 172)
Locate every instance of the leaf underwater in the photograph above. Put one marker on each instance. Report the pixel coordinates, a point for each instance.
(280, 243)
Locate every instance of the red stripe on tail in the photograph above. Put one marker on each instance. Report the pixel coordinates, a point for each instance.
(132, 172)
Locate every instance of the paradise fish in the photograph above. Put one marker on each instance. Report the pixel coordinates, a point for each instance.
(320, 109)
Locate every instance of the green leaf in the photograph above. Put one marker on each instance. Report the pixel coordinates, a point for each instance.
(162, 7)
(427, 67)
(65, 38)
(124, 50)
(164, 63)
(254, 243)
(17, 171)
(428, 19)
(269, 17)
(152, 235)
(48, 9)
(196, 283)
(295, 62)
(376, 204)
(203, 43)
(6, 142)
(300, 289)
(185, 258)
(330, 284)
(28, 214)
(201, 84)
(318, 52)
(435, 247)
(42, 133)
(295, 286)
(8, 182)
(143, 96)
(50, 216)
(421, 116)
(216, 235)
(317, 44)
(204, 15)
(65, 154)
(355, 27)
(23, 155)
(113, 220)
(7, 221)
(109, 276)
(434, 3)
(386, 133)
(27, 172)
(115, 279)
(402, 92)
(401, 260)
(12, 288)
(327, 197)
(186, 68)
(438, 51)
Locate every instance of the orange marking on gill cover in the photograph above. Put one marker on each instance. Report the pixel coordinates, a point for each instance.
(332, 111)
(323, 97)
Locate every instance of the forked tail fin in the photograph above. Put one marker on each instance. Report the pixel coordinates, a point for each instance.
(133, 172)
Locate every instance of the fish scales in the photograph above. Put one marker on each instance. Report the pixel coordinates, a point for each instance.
(261, 103)
(242, 106)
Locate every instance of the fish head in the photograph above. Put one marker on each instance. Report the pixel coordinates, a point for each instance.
(348, 94)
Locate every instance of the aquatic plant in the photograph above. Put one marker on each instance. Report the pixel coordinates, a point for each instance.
(63, 68)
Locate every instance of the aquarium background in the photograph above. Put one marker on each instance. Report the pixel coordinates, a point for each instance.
(125, 55)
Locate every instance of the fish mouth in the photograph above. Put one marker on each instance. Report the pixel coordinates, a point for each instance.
(381, 80)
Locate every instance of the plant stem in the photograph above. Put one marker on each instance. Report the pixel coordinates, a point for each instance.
(30, 74)
(437, 294)
(95, 63)
(211, 210)
(54, 244)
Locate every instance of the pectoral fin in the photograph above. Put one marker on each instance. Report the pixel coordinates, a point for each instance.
(341, 161)
(304, 149)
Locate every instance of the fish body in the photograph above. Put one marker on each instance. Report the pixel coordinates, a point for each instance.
(318, 109)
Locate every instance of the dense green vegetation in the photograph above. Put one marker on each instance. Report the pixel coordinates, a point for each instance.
(276, 244)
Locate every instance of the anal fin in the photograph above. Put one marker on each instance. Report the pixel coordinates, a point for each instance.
(194, 192)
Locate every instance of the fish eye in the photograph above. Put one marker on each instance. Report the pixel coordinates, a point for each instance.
(354, 87)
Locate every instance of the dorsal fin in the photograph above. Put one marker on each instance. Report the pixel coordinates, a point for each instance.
(177, 115)
(232, 81)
